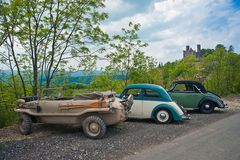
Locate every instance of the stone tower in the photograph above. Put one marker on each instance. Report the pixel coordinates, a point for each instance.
(190, 51)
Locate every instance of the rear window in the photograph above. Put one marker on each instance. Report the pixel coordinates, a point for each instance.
(151, 93)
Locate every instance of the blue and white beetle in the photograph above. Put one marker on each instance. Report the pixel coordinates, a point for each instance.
(152, 101)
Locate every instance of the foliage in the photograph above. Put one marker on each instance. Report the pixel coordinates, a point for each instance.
(219, 70)
(222, 72)
(126, 50)
(144, 70)
(51, 33)
(7, 103)
(106, 81)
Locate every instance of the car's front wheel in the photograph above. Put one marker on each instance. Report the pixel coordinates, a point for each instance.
(25, 124)
(163, 116)
(207, 107)
(94, 127)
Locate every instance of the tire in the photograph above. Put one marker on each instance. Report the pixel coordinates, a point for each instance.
(25, 124)
(207, 107)
(94, 127)
(163, 116)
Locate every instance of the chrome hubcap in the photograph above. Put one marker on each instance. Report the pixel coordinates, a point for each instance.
(162, 116)
(94, 128)
(207, 106)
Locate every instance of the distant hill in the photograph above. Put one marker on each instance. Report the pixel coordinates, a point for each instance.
(75, 77)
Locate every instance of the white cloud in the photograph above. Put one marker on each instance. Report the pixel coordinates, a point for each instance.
(163, 11)
(164, 34)
(172, 24)
(117, 6)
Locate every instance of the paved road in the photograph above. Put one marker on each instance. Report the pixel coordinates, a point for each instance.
(217, 141)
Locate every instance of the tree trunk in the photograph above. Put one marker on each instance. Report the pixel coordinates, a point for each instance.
(35, 80)
(13, 79)
(18, 68)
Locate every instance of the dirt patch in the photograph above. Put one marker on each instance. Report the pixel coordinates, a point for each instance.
(232, 101)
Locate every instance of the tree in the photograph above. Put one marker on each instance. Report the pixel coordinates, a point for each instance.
(54, 32)
(125, 48)
(2, 32)
(7, 101)
(207, 51)
(231, 48)
(144, 69)
(106, 81)
(221, 70)
(218, 46)
(218, 70)
(9, 20)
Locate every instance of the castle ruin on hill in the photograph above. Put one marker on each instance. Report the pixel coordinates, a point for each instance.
(190, 51)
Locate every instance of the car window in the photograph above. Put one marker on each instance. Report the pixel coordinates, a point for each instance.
(184, 88)
(151, 93)
(195, 89)
(189, 87)
(134, 92)
(180, 87)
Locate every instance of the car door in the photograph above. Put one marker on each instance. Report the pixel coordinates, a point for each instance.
(137, 107)
(186, 96)
(151, 99)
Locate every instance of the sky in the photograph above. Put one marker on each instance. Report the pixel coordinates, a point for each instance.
(169, 25)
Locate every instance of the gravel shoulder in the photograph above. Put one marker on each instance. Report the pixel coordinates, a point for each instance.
(131, 137)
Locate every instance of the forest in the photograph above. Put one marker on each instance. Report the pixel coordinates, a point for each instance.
(43, 42)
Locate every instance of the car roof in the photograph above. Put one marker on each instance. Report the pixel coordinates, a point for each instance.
(145, 85)
(198, 84)
(187, 81)
(157, 88)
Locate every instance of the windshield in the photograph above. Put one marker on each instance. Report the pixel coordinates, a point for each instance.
(52, 93)
(171, 87)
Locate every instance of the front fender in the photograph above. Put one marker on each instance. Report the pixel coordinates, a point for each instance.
(175, 114)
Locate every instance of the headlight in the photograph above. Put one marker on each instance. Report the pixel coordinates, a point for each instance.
(20, 101)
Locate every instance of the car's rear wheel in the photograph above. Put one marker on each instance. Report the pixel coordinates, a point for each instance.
(163, 116)
(94, 127)
(207, 107)
(25, 124)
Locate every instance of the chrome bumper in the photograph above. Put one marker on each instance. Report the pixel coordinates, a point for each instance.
(186, 116)
(224, 106)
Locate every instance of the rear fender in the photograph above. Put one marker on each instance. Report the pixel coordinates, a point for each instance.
(169, 108)
(214, 101)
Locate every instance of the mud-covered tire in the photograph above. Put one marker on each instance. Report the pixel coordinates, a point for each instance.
(163, 116)
(94, 127)
(207, 107)
(25, 124)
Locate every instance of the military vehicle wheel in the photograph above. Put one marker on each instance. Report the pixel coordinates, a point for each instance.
(206, 107)
(163, 116)
(25, 124)
(94, 127)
